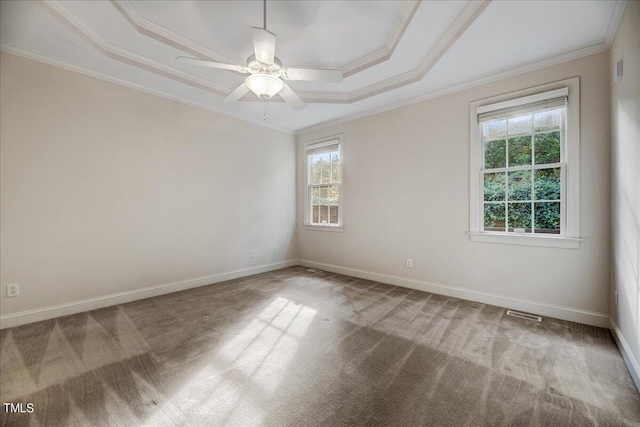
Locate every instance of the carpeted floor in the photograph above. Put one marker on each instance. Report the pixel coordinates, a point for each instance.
(297, 348)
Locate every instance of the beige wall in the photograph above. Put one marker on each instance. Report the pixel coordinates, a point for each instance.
(105, 189)
(625, 103)
(406, 189)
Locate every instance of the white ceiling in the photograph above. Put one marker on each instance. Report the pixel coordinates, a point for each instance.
(391, 52)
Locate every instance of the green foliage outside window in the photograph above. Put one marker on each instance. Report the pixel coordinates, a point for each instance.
(509, 195)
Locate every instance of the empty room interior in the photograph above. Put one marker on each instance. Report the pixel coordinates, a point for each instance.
(320, 213)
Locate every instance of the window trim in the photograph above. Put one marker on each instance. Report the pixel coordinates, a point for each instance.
(312, 145)
(571, 239)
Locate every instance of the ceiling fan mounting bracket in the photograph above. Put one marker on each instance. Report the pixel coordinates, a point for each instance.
(256, 66)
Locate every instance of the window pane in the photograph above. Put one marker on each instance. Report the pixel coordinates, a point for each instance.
(547, 217)
(333, 195)
(495, 154)
(547, 148)
(520, 185)
(494, 214)
(324, 214)
(316, 169)
(519, 125)
(315, 212)
(520, 151)
(494, 186)
(333, 214)
(547, 120)
(495, 129)
(326, 168)
(335, 169)
(520, 217)
(547, 184)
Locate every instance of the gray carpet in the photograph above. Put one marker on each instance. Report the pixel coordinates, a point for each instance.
(296, 348)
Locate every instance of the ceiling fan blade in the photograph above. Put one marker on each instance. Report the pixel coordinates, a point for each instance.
(313, 74)
(264, 45)
(291, 98)
(237, 93)
(203, 63)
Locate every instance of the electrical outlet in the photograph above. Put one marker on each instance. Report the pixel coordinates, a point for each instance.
(275, 250)
(409, 263)
(615, 294)
(252, 254)
(13, 290)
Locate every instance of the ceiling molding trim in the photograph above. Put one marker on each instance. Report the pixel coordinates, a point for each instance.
(569, 56)
(132, 85)
(166, 36)
(384, 54)
(128, 57)
(614, 21)
(453, 33)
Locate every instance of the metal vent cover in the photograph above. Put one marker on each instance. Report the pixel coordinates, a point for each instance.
(313, 270)
(525, 316)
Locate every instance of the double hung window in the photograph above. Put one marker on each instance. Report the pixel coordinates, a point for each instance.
(323, 170)
(525, 168)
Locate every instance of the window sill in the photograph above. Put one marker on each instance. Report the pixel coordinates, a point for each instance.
(524, 240)
(334, 228)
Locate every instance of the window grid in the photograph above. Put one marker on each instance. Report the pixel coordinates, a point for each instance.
(324, 183)
(532, 167)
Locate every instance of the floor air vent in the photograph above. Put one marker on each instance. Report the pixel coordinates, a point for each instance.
(524, 316)
(313, 270)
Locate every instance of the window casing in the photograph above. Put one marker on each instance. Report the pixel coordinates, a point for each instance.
(323, 182)
(525, 167)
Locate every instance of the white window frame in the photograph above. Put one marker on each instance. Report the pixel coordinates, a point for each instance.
(313, 145)
(570, 200)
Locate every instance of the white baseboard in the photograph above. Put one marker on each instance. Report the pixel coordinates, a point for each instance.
(30, 316)
(543, 309)
(627, 355)
(565, 313)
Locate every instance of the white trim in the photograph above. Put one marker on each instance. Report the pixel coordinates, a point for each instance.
(164, 35)
(627, 354)
(127, 83)
(151, 29)
(318, 227)
(527, 240)
(569, 56)
(128, 57)
(534, 307)
(309, 146)
(537, 97)
(36, 315)
(384, 54)
(571, 185)
(614, 22)
(448, 39)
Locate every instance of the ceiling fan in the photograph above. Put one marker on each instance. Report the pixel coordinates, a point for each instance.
(266, 72)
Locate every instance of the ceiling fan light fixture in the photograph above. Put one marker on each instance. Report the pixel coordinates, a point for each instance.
(264, 85)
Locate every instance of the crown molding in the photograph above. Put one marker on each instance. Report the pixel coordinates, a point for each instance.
(126, 56)
(384, 54)
(132, 85)
(614, 21)
(453, 33)
(464, 20)
(166, 36)
(569, 56)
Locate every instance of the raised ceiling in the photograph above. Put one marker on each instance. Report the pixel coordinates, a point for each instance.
(390, 52)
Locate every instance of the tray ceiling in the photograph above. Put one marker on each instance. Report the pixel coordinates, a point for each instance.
(390, 52)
